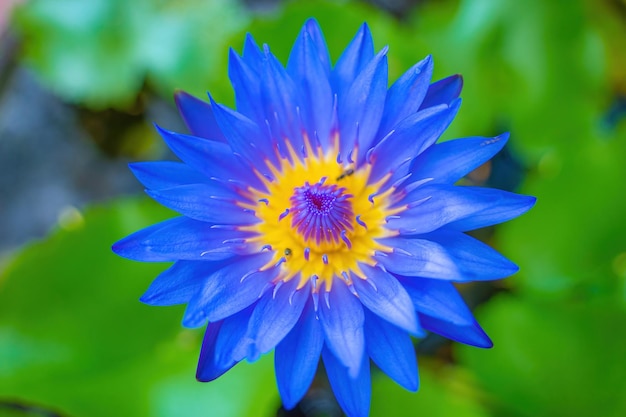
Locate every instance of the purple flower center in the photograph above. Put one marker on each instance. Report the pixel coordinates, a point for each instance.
(321, 212)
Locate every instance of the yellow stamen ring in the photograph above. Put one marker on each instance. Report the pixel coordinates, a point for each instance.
(322, 258)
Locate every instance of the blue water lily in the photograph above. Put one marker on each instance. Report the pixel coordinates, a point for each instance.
(322, 218)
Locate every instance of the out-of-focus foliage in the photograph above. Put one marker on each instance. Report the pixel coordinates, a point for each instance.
(552, 359)
(74, 338)
(445, 391)
(101, 52)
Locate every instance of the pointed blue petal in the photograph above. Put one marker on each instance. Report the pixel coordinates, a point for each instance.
(158, 175)
(274, 316)
(213, 159)
(342, 322)
(182, 238)
(198, 116)
(493, 207)
(361, 107)
(458, 208)
(297, 356)
(353, 392)
(392, 350)
(311, 78)
(439, 299)
(474, 259)
(418, 257)
(247, 87)
(252, 55)
(232, 343)
(280, 100)
(411, 137)
(179, 283)
(383, 295)
(443, 91)
(315, 33)
(472, 335)
(445, 255)
(208, 369)
(449, 161)
(354, 58)
(244, 137)
(230, 289)
(203, 202)
(406, 95)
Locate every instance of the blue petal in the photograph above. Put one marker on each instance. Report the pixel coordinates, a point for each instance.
(213, 159)
(383, 295)
(469, 334)
(182, 238)
(392, 350)
(445, 255)
(406, 95)
(203, 202)
(361, 107)
(252, 55)
(208, 369)
(474, 259)
(198, 116)
(458, 208)
(418, 257)
(311, 77)
(280, 100)
(449, 161)
(439, 299)
(443, 91)
(230, 289)
(247, 87)
(297, 356)
(493, 208)
(232, 343)
(414, 134)
(245, 137)
(315, 33)
(353, 392)
(342, 322)
(158, 175)
(274, 316)
(179, 283)
(354, 58)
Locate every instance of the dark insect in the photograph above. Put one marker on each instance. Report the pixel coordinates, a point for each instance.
(287, 252)
(345, 174)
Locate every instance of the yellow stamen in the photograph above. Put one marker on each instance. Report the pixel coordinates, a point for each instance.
(307, 258)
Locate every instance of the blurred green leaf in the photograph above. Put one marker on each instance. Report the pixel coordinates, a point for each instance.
(568, 244)
(248, 390)
(339, 22)
(552, 359)
(538, 69)
(445, 391)
(100, 52)
(74, 337)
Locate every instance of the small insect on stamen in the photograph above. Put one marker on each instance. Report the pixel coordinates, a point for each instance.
(287, 252)
(345, 174)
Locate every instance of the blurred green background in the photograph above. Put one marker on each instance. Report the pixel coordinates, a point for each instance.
(82, 81)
